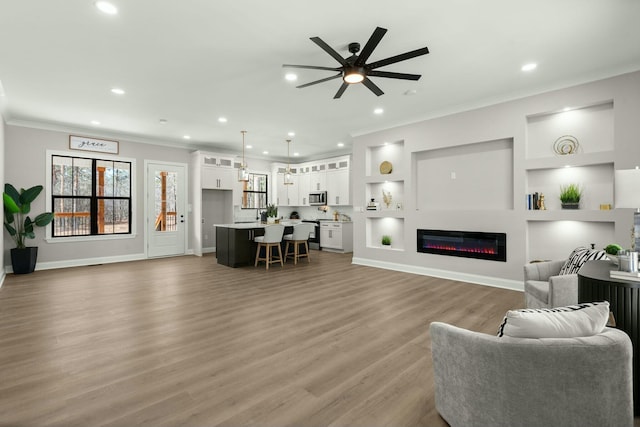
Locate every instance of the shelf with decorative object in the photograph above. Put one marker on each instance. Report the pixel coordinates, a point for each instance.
(379, 227)
(588, 215)
(384, 161)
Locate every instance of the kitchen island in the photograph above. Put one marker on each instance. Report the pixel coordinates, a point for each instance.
(234, 242)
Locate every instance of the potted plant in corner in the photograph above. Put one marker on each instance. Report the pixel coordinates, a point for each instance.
(20, 226)
(570, 195)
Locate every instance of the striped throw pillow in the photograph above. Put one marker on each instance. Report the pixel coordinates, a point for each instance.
(578, 257)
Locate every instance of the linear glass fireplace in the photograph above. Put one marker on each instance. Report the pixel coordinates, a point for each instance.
(467, 244)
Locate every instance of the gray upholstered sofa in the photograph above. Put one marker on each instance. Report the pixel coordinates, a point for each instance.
(483, 380)
(544, 287)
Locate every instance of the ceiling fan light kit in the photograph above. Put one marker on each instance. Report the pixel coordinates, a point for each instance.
(354, 69)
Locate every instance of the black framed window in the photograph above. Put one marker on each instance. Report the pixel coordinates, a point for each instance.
(90, 197)
(254, 194)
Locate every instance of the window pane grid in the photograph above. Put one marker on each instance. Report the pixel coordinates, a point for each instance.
(90, 196)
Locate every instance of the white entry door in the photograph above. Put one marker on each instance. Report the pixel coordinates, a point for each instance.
(166, 209)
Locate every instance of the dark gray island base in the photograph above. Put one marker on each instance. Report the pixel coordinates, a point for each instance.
(234, 243)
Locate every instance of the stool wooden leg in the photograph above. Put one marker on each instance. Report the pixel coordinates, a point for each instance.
(286, 251)
(280, 253)
(268, 261)
(306, 247)
(257, 256)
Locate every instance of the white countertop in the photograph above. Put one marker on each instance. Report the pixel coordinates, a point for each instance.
(257, 224)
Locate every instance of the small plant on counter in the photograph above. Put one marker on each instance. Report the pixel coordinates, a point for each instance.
(272, 211)
(386, 240)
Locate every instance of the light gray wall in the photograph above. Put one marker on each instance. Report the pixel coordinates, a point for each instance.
(25, 166)
(505, 121)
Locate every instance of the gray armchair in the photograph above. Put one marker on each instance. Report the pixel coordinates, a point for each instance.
(544, 287)
(483, 380)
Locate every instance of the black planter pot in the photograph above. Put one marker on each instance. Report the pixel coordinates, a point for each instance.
(571, 205)
(24, 260)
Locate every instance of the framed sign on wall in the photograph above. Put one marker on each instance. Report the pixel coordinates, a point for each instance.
(93, 144)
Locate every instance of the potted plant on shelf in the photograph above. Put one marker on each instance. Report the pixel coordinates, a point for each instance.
(20, 226)
(272, 213)
(570, 195)
(386, 240)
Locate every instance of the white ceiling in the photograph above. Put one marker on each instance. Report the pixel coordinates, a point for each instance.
(191, 61)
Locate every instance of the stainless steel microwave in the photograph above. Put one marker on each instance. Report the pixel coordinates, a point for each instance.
(318, 198)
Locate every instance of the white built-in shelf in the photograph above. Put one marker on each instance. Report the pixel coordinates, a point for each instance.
(571, 215)
(386, 248)
(385, 214)
(583, 159)
(377, 179)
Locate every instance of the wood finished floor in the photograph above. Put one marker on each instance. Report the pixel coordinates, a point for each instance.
(186, 342)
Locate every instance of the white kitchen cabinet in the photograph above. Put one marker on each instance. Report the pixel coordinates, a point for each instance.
(336, 236)
(338, 187)
(218, 178)
(318, 177)
(304, 186)
(286, 195)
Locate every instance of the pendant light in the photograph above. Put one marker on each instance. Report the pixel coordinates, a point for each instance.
(287, 171)
(243, 173)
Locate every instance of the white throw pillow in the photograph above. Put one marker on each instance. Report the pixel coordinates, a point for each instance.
(581, 320)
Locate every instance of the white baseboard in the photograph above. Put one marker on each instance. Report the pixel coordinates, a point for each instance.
(495, 282)
(82, 262)
(208, 250)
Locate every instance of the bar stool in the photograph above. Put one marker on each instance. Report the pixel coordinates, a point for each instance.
(300, 236)
(272, 237)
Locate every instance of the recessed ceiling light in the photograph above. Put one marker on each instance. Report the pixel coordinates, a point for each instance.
(291, 77)
(187, 137)
(566, 109)
(378, 111)
(291, 134)
(249, 147)
(95, 122)
(340, 144)
(265, 152)
(411, 92)
(296, 154)
(222, 119)
(529, 67)
(386, 143)
(106, 7)
(118, 91)
(163, 121)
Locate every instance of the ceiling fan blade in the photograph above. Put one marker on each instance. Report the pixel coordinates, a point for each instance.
(320, 81)
(329, 50)
(311, 67)
(398, 58)
(341, 90)
(372, 86)
(372, 43)
(390, 75)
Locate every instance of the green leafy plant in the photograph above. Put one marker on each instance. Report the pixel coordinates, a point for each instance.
(386, 240)
(17, 206)
(570, 193)
(613, 249)
(272, 210)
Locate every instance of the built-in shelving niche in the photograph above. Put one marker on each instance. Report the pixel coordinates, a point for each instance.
(392, 227)
(475, 176)
(553, 233)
